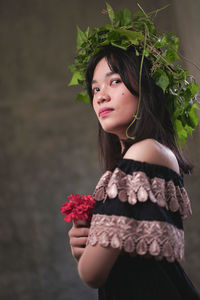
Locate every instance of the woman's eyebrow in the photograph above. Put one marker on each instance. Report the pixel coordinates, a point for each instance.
(107, 75)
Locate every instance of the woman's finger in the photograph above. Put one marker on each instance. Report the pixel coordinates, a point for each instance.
(81, 223)
(78, 232)
(78, 242)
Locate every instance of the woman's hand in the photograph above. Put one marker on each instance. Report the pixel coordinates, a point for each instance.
(78, 237)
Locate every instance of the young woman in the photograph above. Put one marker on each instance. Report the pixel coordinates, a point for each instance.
(133, 247)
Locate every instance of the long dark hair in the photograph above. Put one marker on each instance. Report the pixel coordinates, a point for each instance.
(154, 118)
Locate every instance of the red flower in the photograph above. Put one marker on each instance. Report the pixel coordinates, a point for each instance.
(78, 208)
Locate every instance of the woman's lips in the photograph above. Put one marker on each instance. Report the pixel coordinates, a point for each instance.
(104, 111)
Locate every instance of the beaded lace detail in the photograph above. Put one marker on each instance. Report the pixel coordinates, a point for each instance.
(138, 187)
(148, 238)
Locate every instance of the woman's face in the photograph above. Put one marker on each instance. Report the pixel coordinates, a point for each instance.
(113, 103)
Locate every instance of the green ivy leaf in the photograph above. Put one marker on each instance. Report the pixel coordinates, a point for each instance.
(189, 93)
(107, 27)
(161, 79)
(126, 17)
(137, 52)
(111, 13)
(81, 37)
(193, 87)
(181, 132)
(180, 74)
(178, 112)
(76, 78)
(161, 42)
(88, 32)
(194, 119)
(114, 36)
(120, 18)
(187, 96)
(133, 36)
(173, 41)
(83, 96)
(189, 129)
(72, 68)
(171, 55)
(146, 52)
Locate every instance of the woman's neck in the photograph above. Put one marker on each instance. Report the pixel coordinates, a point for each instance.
(122, 146)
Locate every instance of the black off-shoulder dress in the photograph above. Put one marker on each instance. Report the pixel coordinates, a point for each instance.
(139, 209)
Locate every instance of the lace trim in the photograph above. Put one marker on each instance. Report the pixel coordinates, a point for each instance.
(154, 238)
(138, 187)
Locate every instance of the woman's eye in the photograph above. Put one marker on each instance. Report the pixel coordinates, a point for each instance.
(95, 90)
(115, 81)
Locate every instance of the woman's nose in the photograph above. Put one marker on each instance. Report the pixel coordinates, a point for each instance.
(103, 96)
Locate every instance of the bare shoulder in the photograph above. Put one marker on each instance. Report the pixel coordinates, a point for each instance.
(151, 151)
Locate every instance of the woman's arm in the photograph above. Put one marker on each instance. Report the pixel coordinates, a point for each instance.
(96, 263)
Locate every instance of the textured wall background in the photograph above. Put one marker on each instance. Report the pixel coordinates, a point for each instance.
(48, 142)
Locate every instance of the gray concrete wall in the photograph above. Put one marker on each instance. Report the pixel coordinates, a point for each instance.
(48, 142)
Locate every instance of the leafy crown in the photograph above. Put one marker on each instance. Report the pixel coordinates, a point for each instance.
(159, 48)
